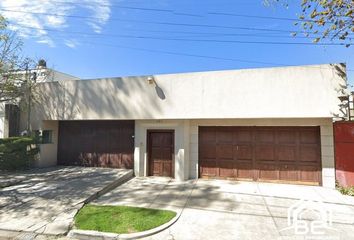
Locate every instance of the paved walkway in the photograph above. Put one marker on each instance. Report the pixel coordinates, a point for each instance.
(216, 209)
(8, 179)
(46, 200)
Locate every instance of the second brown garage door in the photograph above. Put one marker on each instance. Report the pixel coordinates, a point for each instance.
(96, 143)
(284, 154)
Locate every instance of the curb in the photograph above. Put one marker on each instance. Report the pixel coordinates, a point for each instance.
(91, 235)
(95, 235)
(126, 177)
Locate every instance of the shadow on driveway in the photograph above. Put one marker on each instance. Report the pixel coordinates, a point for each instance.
(217, 209)
(47, 199)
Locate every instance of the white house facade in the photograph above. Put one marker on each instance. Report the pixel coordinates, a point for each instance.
(269, 124)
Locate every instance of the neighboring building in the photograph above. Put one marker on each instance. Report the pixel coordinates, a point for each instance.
(270, 124)
(9, 121)
(44, 74)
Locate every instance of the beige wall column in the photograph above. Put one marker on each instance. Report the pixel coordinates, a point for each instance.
(181, 150)
(48, 152)
(193, 163)
(186, 143)
(327, 156)
(139, 151)
(138, 166)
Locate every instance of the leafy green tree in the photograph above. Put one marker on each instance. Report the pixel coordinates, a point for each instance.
(15, 75)
(18, 74)
(326, 19)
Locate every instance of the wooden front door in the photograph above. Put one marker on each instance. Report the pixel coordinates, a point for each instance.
(160, 145)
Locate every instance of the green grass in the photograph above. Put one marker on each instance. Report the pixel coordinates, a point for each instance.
(120, 219)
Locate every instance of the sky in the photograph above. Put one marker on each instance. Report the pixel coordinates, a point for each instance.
(111, 38)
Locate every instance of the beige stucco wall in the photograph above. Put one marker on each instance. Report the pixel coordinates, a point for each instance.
(284, 92)
(50, 75)
(181, 151)
(48, 152)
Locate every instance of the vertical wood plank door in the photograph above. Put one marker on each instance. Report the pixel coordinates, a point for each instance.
(160, 152)
(91, 143)
(282, 154)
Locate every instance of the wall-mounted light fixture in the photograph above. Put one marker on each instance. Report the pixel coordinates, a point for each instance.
(151, 80)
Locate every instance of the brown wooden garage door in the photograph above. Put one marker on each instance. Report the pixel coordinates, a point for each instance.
(287, 154)
(96, 143)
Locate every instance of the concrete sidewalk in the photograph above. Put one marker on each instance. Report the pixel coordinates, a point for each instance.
(216, 209)
(46, 201)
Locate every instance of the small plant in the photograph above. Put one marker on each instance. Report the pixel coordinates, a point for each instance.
(345, 190)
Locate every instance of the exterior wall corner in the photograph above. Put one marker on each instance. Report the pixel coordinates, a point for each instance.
(48, 152)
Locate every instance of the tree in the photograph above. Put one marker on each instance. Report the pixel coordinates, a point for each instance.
(15, 74)
(326, 19)
(18, 74)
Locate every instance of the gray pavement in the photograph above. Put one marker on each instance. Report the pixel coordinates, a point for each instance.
(8, 179)
(217, 209)
(46, 200)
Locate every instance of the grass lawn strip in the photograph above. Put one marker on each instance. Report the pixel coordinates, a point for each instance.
(120, 219)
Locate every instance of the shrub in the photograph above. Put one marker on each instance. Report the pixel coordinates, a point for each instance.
(17, 153)
(345, 190)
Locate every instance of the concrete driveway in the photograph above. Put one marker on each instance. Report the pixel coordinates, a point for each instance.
(216, 209)
(45, 201)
